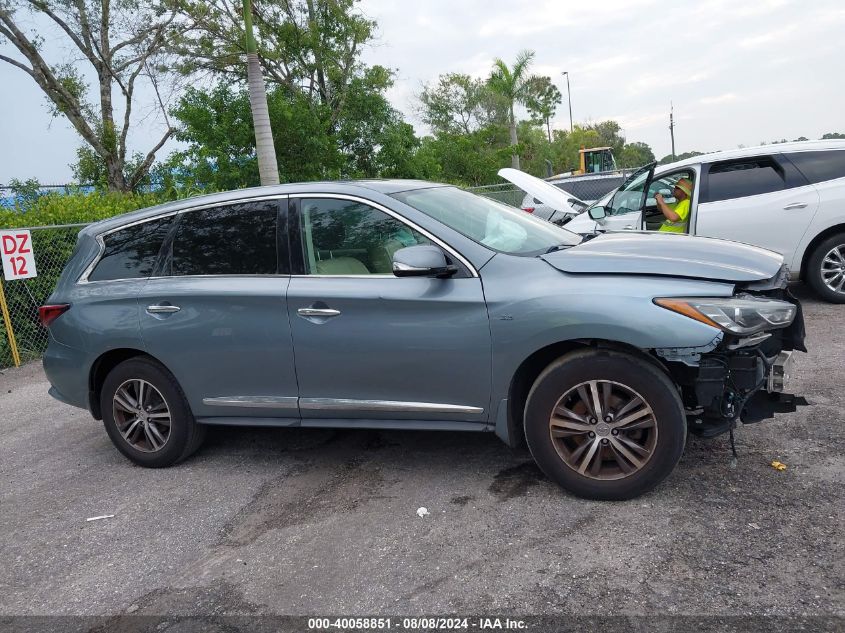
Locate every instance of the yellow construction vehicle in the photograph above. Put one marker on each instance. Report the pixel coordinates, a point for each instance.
(596, 160)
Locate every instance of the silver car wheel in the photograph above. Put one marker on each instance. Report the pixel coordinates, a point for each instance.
(603, 430)
(833, 268)
(141, 415)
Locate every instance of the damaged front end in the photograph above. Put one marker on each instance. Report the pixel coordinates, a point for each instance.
(742, 375)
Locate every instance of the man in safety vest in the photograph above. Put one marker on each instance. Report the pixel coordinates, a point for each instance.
(677, 215)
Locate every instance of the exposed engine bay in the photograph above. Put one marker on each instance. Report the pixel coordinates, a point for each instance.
(742, 378)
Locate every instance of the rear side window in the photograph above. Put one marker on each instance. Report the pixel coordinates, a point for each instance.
(747, 177)
(820, 166)
(238, 239)
(131, 253)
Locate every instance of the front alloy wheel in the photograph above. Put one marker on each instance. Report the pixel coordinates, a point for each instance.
(603, 430)
(605, 424)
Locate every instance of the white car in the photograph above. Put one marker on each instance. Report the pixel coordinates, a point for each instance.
(787, 197)
(564, 205)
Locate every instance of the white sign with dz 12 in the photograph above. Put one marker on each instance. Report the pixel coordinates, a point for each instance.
(16, 253)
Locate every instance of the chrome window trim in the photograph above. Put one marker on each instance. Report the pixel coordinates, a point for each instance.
(257, 402)
(349, 404)
(83, 278)
(394, 215)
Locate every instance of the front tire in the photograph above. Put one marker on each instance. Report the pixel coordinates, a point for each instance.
(604, 424)
(146, 415)
(826, 269)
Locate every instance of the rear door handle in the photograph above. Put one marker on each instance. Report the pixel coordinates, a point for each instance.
(795, 205)
(163, 309)
(318, 312)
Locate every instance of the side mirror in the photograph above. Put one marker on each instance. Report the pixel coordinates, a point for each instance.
(597, 213)
(422, 260)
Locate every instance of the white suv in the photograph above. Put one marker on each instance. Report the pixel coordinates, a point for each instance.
(788, 197)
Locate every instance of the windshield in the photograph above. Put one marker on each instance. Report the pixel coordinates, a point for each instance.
(493, 224)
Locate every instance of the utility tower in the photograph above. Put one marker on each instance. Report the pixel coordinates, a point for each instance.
(672, 127)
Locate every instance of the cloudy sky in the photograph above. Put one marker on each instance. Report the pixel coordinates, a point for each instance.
(738, 71)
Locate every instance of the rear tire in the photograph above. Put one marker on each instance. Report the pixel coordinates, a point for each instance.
(604, 424)
(827, 265)
(159, 433)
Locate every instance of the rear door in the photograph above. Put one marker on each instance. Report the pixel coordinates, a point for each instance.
(761, 200)
(215, 312)
(373, 346)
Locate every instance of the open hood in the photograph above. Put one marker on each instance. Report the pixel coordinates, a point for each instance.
(545, 192)
(674, 255)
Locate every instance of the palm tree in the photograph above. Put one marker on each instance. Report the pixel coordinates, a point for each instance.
(268, 169)
(513, 84)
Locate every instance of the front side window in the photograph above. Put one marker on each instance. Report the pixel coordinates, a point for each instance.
(665, 185)
(131, 253)
(820, 166)
(345, 237)
(238, 239)
(747, 177)
(493, 224)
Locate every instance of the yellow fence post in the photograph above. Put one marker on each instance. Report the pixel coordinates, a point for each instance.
(8, 321)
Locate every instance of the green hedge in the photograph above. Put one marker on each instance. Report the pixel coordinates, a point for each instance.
(56, 208)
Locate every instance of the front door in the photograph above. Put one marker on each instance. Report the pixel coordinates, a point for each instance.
(215, 313)
(624, 210)
(372, 346)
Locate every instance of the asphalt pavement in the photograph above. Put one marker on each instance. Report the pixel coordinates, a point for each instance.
(308, 521)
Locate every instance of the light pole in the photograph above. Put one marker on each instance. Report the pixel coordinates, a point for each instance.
(568, 98)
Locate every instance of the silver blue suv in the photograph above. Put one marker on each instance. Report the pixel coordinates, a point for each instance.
(412, 305)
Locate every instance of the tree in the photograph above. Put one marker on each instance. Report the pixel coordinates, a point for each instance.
(119, 42)
(268, 169)
(635, 155)
(513, 85)
(309, 46)
(669, 159)
(832, 135)
(459, 104)
(543, 99)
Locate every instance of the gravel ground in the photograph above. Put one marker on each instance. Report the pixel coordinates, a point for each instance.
(293, 521)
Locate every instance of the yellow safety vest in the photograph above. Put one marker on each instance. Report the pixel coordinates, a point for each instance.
(682, 209)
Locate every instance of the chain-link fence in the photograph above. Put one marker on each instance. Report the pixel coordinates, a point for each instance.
(52, 247)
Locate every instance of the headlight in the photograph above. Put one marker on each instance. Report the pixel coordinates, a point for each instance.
(742, 316)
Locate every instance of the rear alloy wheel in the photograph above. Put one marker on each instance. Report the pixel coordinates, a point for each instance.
(826, 269)
(605, 424)
(146, 415)
(141, 415)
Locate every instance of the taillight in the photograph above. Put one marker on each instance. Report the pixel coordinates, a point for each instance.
(528, 209)
(48, 314)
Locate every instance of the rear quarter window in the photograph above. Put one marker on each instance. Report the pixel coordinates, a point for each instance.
(820, 166)
(131, 253)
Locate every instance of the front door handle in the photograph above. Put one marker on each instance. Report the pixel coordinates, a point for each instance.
(163, 309)
(795, 205)
(318, 312)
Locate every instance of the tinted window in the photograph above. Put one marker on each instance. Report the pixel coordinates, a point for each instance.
(748, 177)
(342, 237)
(820, 166)
(132, 252)
(238, 239)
